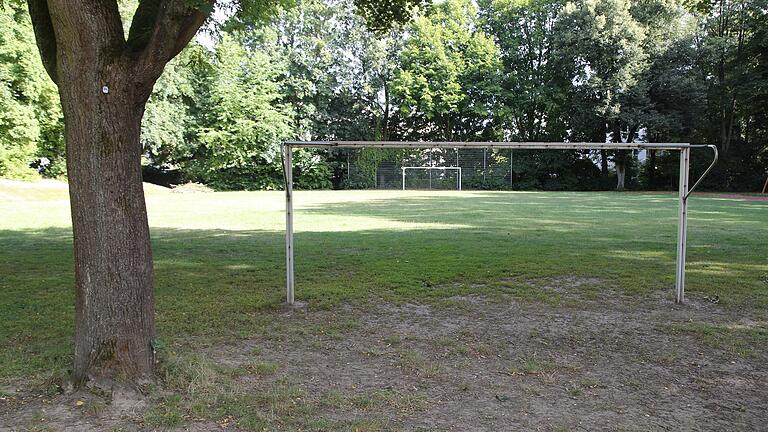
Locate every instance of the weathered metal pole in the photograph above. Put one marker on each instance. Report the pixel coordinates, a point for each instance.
(510, 166)
(682, 225)
(430, 171)
(458, 164)
(288, 150)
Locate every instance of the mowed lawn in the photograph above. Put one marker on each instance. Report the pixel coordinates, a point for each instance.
(219, 257)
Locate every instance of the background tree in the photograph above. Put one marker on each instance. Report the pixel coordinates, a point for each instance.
(169, 122)
(445, 84)
(731, 43)
(439, 87)
(600, 47)
(240, 134)
(338, 79)
(30, 117)
(676, 92)
(531, 103)
(527, 110)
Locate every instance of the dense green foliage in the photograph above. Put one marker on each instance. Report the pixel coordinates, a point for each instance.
(30, 117)
(527, 70)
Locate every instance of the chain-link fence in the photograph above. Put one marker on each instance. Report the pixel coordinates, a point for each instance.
(439, 168)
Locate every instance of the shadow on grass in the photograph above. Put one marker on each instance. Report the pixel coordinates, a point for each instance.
(214, 284)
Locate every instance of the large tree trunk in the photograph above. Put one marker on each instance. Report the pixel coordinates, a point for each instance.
(620, 156)
(621, 174)
(620, 159)
(114, 325)
(104, 82)
(103, 103)
(604, 167)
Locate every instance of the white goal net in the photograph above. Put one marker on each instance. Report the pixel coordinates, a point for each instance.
(426, 177)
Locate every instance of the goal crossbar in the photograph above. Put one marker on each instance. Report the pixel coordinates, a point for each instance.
(684, 190)
(493, 145)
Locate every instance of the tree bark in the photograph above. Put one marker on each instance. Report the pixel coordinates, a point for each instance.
(104, 82)
(114, 297)
(114, 322)
(620, 156)
(604, 166)
(621, 173)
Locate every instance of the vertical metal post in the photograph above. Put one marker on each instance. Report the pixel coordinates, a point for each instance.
(288, 150)
(458, 164)
(403, 177)
(510, 167)
(429, 170)
(682, 225)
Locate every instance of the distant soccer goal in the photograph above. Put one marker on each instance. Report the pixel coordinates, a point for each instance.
(438, 168)
(430, 181)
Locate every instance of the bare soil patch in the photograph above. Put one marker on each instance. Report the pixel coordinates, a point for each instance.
(618, 363)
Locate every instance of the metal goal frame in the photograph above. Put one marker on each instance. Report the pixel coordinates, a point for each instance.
(684, 191)
(447, 168)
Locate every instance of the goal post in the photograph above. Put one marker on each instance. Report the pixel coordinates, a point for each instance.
(684, 190)
(439, 168)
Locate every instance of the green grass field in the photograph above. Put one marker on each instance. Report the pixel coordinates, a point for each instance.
(219, 257)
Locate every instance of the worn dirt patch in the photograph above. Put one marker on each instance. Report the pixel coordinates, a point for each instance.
(510, 366)
(83, 410)
(488, 365)
(566, 284)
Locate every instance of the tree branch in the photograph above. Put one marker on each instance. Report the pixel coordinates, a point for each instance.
(85, 30)
(46, 39)
(142, 24)
(173, 23)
